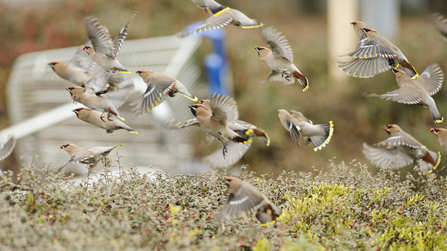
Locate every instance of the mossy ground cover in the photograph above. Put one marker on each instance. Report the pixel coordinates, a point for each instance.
(341, 206)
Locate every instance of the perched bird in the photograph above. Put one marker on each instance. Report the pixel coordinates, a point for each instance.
(440, 23)
(221, 16)
(377, 55)
(280, 59)
(301, 128)
(441, 133)
(105, 51)
(89, 157)
(245, 198)
(400, 150)
(358, 25)
(92, 97)
(79, 70)
(159, 87)
(418, 90)
(245, 131)
(6, 149)
(108, 122)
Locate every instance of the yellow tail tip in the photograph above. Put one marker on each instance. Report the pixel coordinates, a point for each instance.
(275, 220)
(128, 72)
(439, 120)
(134, 132)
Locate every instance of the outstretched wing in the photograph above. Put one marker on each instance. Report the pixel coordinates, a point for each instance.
(224, 109)
(279, 44)
(100, 37)
(119, 39)
(83, 61)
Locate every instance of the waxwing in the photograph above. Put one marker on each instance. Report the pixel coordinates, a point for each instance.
(89, 157)
(221, 16)
(159, 87)
(302, 129)
(441, 133)
(377, 55)
(105, 51)
(245, 198)
(104, 120)
(358, 25)
(245, 131)
(93, 97)
(79, 70)
(400, 150)
(279, 57)
(418, 90)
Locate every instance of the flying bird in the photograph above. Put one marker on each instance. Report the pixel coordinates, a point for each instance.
(79, 70)
(93, 97)
(377, 55)
(221, 16)
(105, 51)
(440, 23)
(103, 120)
(215, 117)
(441, 133)
(302, 129)
(400, 150)
(358, 25)
(89, 157)
(245, 131)
(279, 57)
(417, 91)
(159, 87)
(245, 198)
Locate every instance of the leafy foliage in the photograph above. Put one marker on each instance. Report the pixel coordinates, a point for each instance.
(342, 206)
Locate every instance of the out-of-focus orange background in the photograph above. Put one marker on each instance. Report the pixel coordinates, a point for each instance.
(27, 26)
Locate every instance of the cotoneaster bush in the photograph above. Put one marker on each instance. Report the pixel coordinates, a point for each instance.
(341, 206)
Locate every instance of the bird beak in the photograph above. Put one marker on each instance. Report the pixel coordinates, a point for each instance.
(256, 48)
(138, 72)
(193, 110)
(353, 23)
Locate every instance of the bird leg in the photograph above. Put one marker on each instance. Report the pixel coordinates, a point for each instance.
(108, 117)
(286, 77)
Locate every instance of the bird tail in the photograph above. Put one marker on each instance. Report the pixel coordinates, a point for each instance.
(243, 137)
(269, 214)
(319, 142)
(430, 161)
(304, 82)
(437, 117)
(409, 69)
(262, 135)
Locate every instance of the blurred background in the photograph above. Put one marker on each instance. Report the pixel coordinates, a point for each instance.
(316, 30)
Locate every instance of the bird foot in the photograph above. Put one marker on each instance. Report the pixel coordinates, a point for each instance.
(102, 116)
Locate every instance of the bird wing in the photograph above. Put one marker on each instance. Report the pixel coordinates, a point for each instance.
(119, 96)
(242, 127)
(391, 156)
(235, 151)
(279, 44)
(212, 5)
(293, 129)
(299, 116)
(218, 20)
(6, 149)
(401, 139)
(406, 94)
(119, 39)
(100, 37)
(83, 61)
(372, 49)
(431, 79)
(97, 82)
(441, 24)
(156, 92)
(106, 150)
(246, 199)
(224, 109)
(365, 67)
(172, 124)
(362, 41)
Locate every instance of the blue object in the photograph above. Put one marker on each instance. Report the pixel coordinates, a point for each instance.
(216, 63)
